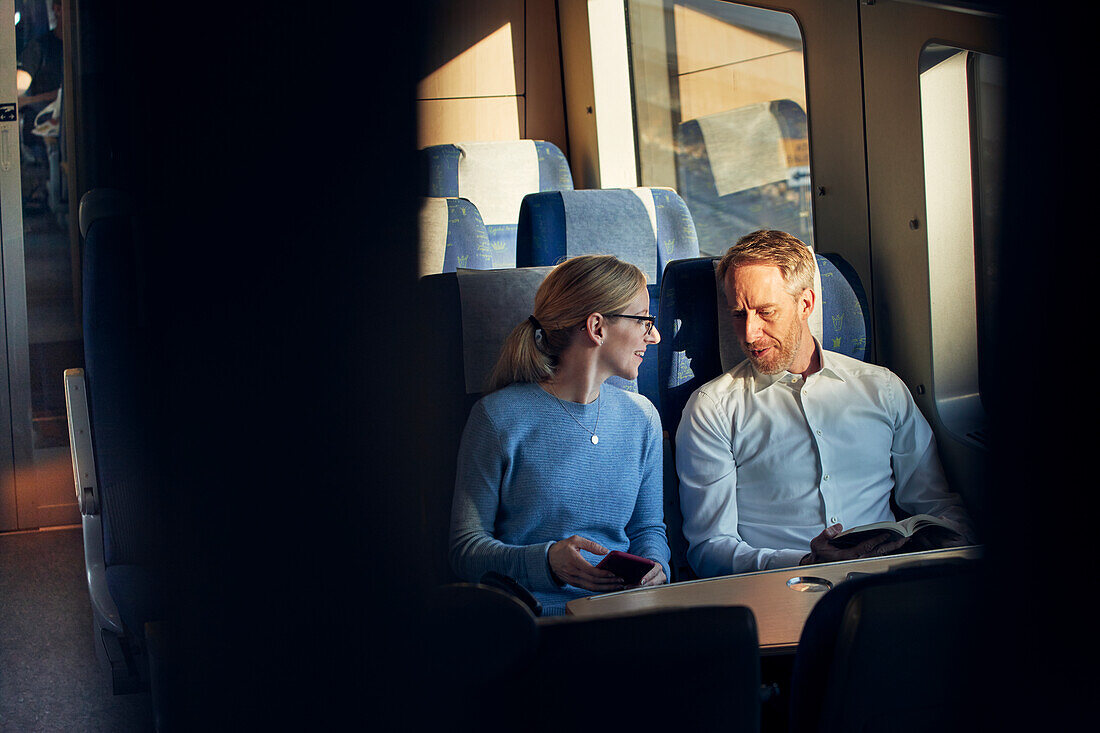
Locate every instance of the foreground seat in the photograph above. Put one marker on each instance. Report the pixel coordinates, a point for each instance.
(492, 666)
(107, 405)
(477, 640)
(676, 669)
(891, 652)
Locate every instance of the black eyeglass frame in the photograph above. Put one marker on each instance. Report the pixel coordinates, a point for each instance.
(650, 321)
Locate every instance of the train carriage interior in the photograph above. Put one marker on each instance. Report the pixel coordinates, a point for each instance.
(258, 261)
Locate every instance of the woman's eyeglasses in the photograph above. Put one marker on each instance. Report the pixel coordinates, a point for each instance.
(647, 320)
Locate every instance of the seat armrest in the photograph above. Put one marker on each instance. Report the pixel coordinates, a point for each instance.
(87, 496)
(511, 586)
(80, 442)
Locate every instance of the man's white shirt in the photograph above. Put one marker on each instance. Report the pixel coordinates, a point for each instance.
(766, 462)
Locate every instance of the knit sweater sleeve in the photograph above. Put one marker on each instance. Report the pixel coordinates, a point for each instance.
(646, 528)
(474, 549)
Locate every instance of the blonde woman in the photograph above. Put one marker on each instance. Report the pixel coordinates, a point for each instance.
(556, 467)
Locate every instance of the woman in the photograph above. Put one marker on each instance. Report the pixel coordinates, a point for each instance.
(557, 468)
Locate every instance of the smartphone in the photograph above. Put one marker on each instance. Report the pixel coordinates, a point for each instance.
(631, 568)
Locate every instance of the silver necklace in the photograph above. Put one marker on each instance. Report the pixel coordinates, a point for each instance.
(599, 406)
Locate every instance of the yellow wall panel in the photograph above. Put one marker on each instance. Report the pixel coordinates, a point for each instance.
(492, 65)
(492, 72)
(469, 120)
(729, 87)
(544, 98)
(704, 42)
(474, 49)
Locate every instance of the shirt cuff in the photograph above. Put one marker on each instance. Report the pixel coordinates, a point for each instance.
(786, 558)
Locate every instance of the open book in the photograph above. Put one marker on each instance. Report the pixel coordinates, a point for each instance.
(923, 524)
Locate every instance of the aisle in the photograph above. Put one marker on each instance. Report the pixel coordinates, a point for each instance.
(50, 678)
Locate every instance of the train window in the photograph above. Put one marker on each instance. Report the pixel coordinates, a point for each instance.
(720, 113)
(962, 123)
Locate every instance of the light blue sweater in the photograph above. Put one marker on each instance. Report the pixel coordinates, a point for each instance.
(529, 475)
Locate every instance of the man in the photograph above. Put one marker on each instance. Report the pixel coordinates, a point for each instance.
(780, 453)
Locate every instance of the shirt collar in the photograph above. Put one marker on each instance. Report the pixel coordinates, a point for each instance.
(830, 363)
(830, 367)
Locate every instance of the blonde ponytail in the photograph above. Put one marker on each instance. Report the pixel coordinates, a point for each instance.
(521, 360)
(572, 291)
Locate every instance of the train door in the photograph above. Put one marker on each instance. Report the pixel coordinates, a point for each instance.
(40, 326)
(934, 81)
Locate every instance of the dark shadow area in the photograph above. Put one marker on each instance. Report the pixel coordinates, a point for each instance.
(1035, 671)
(279, 264)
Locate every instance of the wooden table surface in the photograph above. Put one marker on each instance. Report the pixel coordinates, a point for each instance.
(780, 602)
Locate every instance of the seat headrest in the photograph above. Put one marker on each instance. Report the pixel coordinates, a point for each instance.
(100, 203)
(647, 227)
(495, 175)
(452, 236)
(493, 303)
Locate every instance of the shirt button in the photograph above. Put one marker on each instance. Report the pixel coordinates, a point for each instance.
(826, 477)
(834, 520)
(818, 432)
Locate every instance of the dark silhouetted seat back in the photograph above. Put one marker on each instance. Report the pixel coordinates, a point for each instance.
(678, 669)
(891, 652)
(109, 404)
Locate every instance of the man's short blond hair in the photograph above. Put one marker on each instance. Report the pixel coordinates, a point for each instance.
(772, 247)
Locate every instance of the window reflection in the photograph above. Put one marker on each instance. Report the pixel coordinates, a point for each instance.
(50, 267)
(720, 100)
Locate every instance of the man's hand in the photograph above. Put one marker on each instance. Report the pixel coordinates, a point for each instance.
(822, 549)
(570, 567)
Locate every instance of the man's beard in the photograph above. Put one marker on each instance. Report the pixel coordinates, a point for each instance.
(781, 356)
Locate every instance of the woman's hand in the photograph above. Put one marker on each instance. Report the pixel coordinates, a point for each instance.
(656, 576)
(570, 567)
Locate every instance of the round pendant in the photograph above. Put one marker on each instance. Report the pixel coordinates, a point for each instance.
(595, 439)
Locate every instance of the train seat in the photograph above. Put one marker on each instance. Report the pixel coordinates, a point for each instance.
(697, 345)
(648, 227)
(478, 641)
(891, 652)
(692, 668)
(746, 169)
(497, 667)
(452, 235)
(495, 176)
(465, 316)
(106, 403)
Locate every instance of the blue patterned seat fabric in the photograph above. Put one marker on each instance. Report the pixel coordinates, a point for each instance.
(689, 353)
(495, 176)
(648, 227)
(452, 236)
(730, 188)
